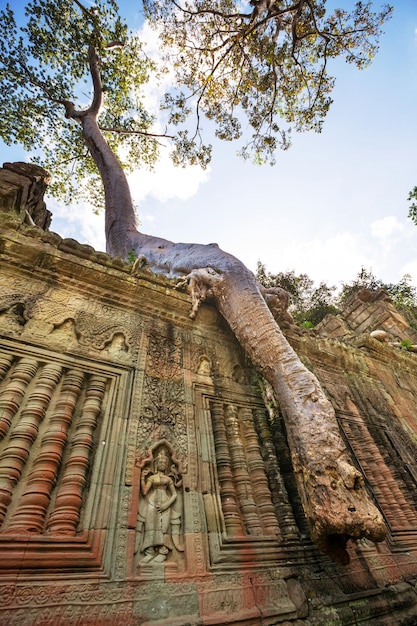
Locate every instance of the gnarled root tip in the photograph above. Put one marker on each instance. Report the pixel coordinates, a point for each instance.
(200, 283)
(140, 261)
(332, 534)
(339, 509)
(334, 541)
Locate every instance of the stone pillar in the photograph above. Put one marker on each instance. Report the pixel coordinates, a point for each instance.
(228, 496)
(30, 513)
(66, 514)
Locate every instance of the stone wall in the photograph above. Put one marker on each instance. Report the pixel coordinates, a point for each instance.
(22, 187)
(109, 393)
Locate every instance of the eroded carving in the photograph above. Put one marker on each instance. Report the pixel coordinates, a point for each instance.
(22, 187)
(278, 302)
(204, 366)
(25, 432)
(66, 515)
(159, 534)
(246, 498)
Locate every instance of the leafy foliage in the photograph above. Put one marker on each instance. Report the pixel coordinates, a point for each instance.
(265, 60)
(44, 66)
(403, 294)
(412, 213)
(406, 344)
(310, 304)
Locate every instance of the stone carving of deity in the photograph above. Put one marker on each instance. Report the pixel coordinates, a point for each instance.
(159, 514)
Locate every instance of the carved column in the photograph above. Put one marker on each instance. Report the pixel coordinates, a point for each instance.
(30, 513)
(282, 506)
(25, 432)
(257, 475)
(230, 507)
(14, 391)
(5, 363)
(66, 514)
(397, 510)
(240, 472)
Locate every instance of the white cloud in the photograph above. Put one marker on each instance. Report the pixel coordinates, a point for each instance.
(395, 239)
(336, 259)
(386, 227)
(410, 268)
(333, 260)
(147, 218)
(167, 181)
(79, 222)
(158, 85)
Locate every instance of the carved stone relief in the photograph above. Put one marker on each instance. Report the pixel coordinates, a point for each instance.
(52, 414)
(41, 403)
(22, 187)
(62, 319)
(245, 499)
(247, 504)
(110, 413)
(159, 528)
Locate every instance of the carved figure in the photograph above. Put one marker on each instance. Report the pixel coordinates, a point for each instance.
(204, 367)
(159, 519)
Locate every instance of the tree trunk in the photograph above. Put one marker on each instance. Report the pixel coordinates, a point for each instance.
(332, 490)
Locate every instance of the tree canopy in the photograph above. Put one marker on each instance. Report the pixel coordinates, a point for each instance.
(267, 63)
(309, 303)
(412, 213)
(44, 66)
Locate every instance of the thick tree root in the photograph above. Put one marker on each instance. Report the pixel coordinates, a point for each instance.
(332, 490)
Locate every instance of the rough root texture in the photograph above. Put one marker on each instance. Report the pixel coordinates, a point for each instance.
(332, 490)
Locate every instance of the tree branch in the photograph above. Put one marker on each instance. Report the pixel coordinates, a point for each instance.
(122, 131)
(93, 62)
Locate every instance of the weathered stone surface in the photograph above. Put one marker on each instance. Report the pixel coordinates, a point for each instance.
(22, 187)
(98, 369)
(368, 312)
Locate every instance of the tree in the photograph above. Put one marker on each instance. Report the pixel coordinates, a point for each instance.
(403, 293)
(266, 61)
(331, 488)
(47, 65)
(412, 213)
(308, 304)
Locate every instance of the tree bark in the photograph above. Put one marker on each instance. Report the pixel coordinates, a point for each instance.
(332, 490)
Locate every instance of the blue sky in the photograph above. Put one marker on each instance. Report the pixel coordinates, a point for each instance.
(333, 203)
